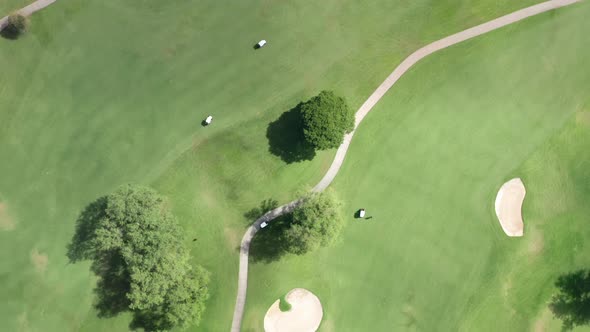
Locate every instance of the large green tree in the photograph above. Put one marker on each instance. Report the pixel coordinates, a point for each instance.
(326, 119)
(138, 231)
(316, 222)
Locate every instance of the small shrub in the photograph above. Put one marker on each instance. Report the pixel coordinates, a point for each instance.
(17, 25)
(284, 305)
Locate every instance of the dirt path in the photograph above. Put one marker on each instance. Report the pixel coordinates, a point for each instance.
(361, 113)
(28, 10)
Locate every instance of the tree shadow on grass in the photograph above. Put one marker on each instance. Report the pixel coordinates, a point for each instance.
(81, 247)
(9, 33)
(112, 286)
(113, 283)
(257, 212)
(572, 302)
(269, 244)
(149, 321)
(6, 34)
(285, 137)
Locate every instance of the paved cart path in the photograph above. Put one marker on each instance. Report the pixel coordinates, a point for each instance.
(360, 114)
(28, 10)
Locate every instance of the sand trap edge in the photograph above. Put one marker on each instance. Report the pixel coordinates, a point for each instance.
(300, 318)
(508, 207)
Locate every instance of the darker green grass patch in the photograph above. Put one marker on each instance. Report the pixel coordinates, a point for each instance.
(284, 305)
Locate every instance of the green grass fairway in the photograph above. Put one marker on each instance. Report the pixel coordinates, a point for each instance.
(9, 6)
(102, 93)
(427, 163)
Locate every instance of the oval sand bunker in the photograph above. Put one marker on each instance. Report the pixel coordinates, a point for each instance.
(305, 314)
(509, 207)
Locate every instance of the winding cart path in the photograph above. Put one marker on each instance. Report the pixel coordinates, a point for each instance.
(360, 114)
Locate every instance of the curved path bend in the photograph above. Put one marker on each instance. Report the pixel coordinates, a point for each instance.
(360, 114)
(28, 10)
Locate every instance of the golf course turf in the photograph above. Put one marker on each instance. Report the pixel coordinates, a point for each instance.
(427, 164)
(9, 6)
(104, 93)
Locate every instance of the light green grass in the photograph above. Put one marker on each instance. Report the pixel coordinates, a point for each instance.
(427, 164)
(102, 93)
(9, 6)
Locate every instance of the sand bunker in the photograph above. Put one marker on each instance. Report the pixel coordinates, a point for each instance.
(509, 207)
(305, 314)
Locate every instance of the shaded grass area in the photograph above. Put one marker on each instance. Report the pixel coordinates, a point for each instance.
(270, 244)
(286, 139)
(428, 162)
(102, 93)
(571, 303)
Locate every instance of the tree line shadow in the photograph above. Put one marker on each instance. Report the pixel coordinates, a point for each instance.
(571, 304)
(113, 279)
(285, 137)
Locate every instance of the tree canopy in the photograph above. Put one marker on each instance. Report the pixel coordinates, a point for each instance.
(15, 25)
(571, 304)
(137, 241)
(315, 223)
(326, 119)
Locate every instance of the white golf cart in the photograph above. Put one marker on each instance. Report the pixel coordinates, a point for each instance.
(261, 44)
